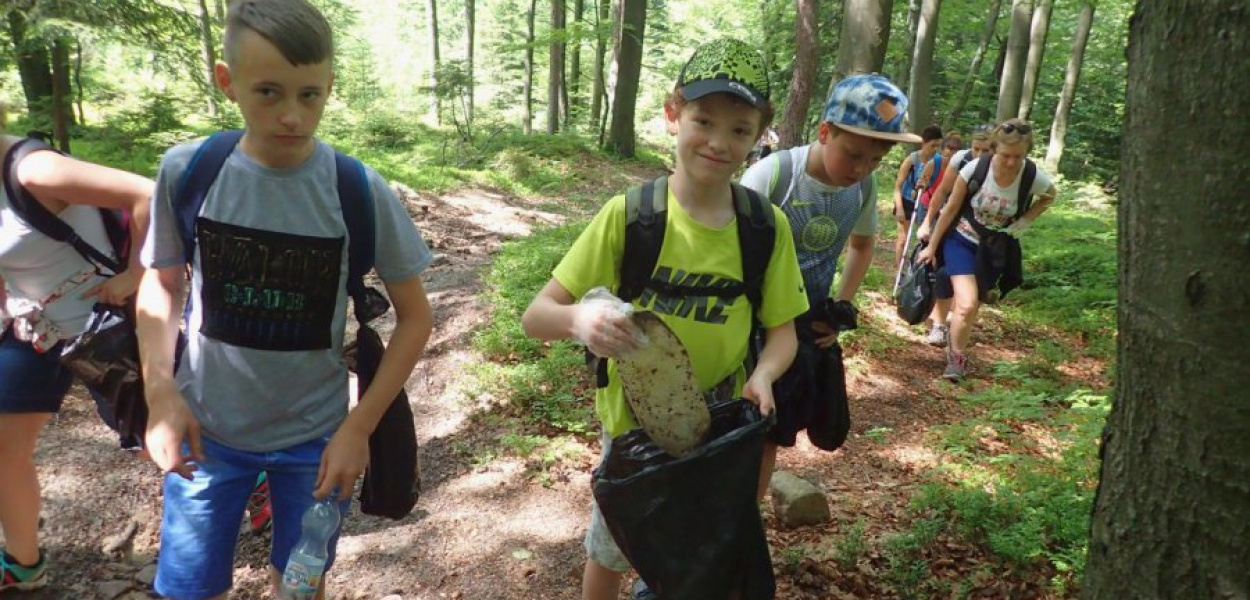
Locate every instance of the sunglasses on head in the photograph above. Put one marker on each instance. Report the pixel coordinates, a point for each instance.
(1013, 128)
(984, 128)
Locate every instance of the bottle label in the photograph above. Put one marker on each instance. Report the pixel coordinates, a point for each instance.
(302, 576)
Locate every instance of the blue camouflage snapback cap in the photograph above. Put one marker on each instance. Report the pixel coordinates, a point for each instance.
(871, 106)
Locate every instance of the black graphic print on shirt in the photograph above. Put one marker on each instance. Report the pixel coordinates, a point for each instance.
(267, 290)
(704, 309)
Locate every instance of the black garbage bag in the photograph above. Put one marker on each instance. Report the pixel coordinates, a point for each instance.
(392, 482)
(915, 289)
(105, 357)
(811, 395)
(691, 526)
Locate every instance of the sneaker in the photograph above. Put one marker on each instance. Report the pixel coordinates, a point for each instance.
(259, 509)
(642, 592)
(956, 365)
(14, 576)
(938, 335)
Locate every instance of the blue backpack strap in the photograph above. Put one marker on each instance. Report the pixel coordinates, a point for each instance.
(356, 202)
(196, 180)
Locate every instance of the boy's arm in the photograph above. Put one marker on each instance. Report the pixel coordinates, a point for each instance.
(858, 259)
(780, 345)
(347, 455)
(554, 315)
(156, 324)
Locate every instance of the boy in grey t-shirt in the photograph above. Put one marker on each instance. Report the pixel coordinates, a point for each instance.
(262, 386)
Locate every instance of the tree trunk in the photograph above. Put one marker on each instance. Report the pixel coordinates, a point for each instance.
(1172, 513)
(555, 66)
(62, 109)
(221, 12)
(974, 71)
(438, 100)
(1013, 67)
(598, 88)
(470, 29)
(922, 70)
(209, 54)
(803, 79)
(528, 124)
(909, 43)
(82, 116)
(574, 79)
(628, 72)
(865, 35)
(1059, 127)
(1037, 47)
(34, 68)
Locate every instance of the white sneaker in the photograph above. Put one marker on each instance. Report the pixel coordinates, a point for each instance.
(939, 335)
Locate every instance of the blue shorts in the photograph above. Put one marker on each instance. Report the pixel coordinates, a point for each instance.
(200, 527)
(30, 382)
(960, 254)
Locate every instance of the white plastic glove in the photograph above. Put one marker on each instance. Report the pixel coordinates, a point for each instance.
(1017, 228)
(602, 323)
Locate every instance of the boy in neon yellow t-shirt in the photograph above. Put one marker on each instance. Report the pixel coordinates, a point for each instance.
(717, 110)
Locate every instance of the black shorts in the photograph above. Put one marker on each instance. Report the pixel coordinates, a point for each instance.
(909, 207)
(811, 396)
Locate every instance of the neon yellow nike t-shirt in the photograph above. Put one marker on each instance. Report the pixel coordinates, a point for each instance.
(714, 331)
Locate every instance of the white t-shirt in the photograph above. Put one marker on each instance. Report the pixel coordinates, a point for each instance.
(994, 206)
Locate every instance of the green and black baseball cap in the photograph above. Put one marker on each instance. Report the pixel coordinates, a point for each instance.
(726, 66)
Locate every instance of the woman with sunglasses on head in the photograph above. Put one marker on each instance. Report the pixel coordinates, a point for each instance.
(995, 206)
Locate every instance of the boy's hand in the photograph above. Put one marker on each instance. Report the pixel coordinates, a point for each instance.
(342, 463)
(170, 422)
(928, 255)
(116, 290)
(759, 390)
(922, 232)
(826, 336)
(602, 323)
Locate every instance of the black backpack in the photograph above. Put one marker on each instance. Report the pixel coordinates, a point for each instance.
(646, 219)
(978, 178)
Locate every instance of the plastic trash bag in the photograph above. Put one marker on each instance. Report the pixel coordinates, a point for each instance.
(690, 526)
(915, 289)
(105, 358)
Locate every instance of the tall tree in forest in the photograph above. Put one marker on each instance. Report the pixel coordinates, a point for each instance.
(1059, 126)
(922, 69)
(208, 50)
(909, 44)
(555, 66)
(1037, 47)
(865, 35)
(1013, 67)
(471, 41)
(527, 125)
(574, 78)
(62, 109)
(598, 91)
(633, 26)
(974, 71)
(221, 12)
(434, 67)
(802, 81)
(34, 65)
(1172, 513)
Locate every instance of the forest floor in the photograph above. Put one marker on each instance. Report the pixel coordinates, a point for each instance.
(486, 527)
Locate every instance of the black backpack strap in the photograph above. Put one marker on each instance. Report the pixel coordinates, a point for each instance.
(357, 203)
(646, 216)
(757, 233)
(1025, 199)
(196, 180)
(36, 214)
(974, 185)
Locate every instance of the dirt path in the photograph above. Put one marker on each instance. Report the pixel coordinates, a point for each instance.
(483, 529)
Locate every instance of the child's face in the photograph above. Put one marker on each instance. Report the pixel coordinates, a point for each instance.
(281, 103)
(981, 148)
(930, 147)
(714, 135)
(847, 157)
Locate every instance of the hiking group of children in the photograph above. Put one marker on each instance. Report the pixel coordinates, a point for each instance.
(266, 255)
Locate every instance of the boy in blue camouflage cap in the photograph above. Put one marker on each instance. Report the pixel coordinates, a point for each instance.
(826, 191)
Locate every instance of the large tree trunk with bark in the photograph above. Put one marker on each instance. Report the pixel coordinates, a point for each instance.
(1059, 126)
(909, 43)
(1171, 518)
(628, 72)
(574, 79)
(62, 107)
(208, 53)
(865, 35)
(527, 125)
(1037, 48)
(1013, 66)
(803, 79)
(34, 67)
(555, 66)
(598, 91)
(438, 99)
(922, 69)
(974, 71)
(471, 42)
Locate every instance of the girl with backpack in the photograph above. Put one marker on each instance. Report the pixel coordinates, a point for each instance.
(47, 290)
(988, 209)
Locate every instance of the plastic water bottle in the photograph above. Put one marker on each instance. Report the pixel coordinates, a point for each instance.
(307, 562)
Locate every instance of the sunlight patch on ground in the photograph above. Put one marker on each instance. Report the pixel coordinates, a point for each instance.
(491, 212)
(912, 456)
